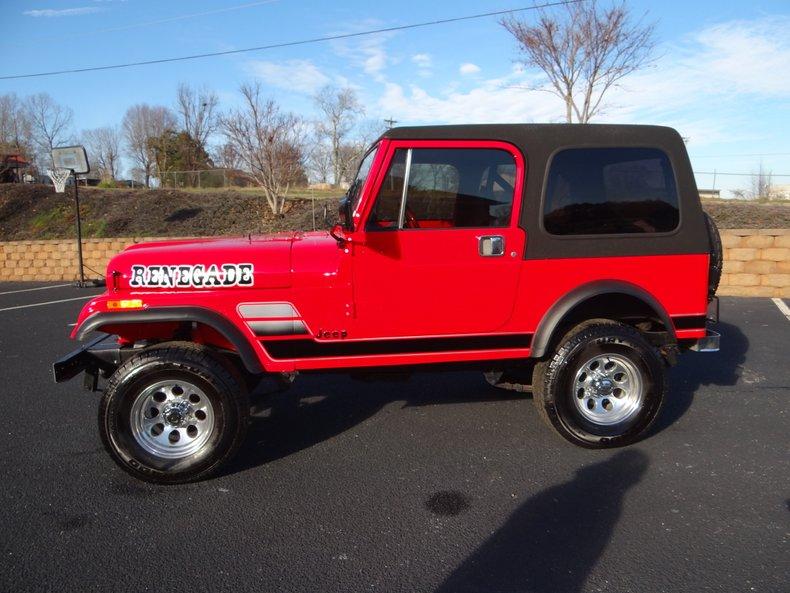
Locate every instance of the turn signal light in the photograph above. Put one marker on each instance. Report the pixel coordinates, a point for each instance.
(125, 304)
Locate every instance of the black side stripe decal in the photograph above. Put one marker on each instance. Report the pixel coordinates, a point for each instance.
(285, 327)
(689, 322)
(300, 348)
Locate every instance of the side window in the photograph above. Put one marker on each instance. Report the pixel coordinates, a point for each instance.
(387, 207)
(598, 191)
(433, 192)
(447, 188)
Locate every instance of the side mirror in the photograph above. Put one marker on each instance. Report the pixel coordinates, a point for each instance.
(345, 223)
(345, 214)
(336, 232)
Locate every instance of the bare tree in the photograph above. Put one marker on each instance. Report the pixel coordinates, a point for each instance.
(352, 151)
(321, 158)
(198, 111)
(141, 123)
(340, 109)
(15, 129)
(104, 150)
(226, 157)
(268, 143)
(320, 161)
(762, 184)
(15, 134)
(584, 50)
(50, 125)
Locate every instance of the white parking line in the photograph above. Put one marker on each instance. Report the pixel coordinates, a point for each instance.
(780, 304)
(31, 289)
(82, 298)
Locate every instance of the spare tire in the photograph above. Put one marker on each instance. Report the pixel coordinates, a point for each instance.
(716, 256)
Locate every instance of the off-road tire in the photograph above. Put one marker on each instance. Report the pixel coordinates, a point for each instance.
(716, 256)
(198, 365)
(553, 390)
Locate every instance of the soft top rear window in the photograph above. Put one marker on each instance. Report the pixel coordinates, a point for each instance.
(603, 191)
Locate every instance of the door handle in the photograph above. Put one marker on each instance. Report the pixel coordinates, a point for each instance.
(491, 246)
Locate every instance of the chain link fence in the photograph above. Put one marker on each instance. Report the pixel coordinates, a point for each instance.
(209, 179)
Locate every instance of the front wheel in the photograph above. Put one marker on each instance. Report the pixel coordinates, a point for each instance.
(603, 387)
(174, 413)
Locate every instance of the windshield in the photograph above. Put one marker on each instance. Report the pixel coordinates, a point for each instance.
(355, 191)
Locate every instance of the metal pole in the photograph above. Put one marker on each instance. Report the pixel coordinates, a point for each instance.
(79, 228)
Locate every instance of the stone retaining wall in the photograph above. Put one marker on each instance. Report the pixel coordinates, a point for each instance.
(756, 262)
(57, 259)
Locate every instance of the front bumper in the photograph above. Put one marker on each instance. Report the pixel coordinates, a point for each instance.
(102, 355)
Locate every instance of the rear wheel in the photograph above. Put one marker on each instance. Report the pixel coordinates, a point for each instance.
(174, 413)
(603, 387)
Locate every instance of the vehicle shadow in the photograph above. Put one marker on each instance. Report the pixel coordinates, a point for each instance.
(319, 407)
(695, 369)
(552, 542)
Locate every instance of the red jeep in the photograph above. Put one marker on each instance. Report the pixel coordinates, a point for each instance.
(572, 258)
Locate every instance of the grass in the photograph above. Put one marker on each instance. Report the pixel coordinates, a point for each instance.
(45, 224)
(96, 229)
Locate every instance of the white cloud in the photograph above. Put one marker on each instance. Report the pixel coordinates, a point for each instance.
(301, 76)
(469, 68)
(422, 60)
(496, 100)
(703, 85)
(375, 57)
(368, 53)
(51, 12)
(423, 63)
(732, 60)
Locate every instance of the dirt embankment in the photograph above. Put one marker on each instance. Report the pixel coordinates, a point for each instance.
(37, 212)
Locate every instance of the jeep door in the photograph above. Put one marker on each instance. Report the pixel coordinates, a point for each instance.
(439, 249)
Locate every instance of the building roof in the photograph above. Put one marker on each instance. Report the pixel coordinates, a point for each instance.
(14, 160)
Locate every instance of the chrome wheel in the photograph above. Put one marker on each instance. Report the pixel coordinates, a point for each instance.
(172, 419)
(608, 389)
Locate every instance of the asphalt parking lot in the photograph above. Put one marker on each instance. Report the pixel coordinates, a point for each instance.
(440, 483)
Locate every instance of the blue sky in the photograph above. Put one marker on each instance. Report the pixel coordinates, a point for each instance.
(721, 75)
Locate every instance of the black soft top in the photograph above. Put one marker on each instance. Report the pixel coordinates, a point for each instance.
(539, 142)
(536, 135)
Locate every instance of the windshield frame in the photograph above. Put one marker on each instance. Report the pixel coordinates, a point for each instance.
(356, 186)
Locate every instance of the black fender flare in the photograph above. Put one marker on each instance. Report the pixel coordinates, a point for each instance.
(554, 316)
(179, 314)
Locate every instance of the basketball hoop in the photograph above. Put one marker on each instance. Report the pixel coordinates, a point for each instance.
(59, 178)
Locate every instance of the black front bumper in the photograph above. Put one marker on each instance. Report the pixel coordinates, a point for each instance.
(102, 355)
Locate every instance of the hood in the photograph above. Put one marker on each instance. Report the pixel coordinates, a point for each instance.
(252, 262)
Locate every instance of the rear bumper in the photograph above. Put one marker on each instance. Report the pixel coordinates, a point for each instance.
(710, 343)
(712, 339)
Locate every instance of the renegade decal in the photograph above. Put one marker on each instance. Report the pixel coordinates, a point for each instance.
(195, 276)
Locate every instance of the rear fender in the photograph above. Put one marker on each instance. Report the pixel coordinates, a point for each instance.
(559, 311)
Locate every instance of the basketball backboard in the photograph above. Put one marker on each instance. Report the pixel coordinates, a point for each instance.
(71, 157)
